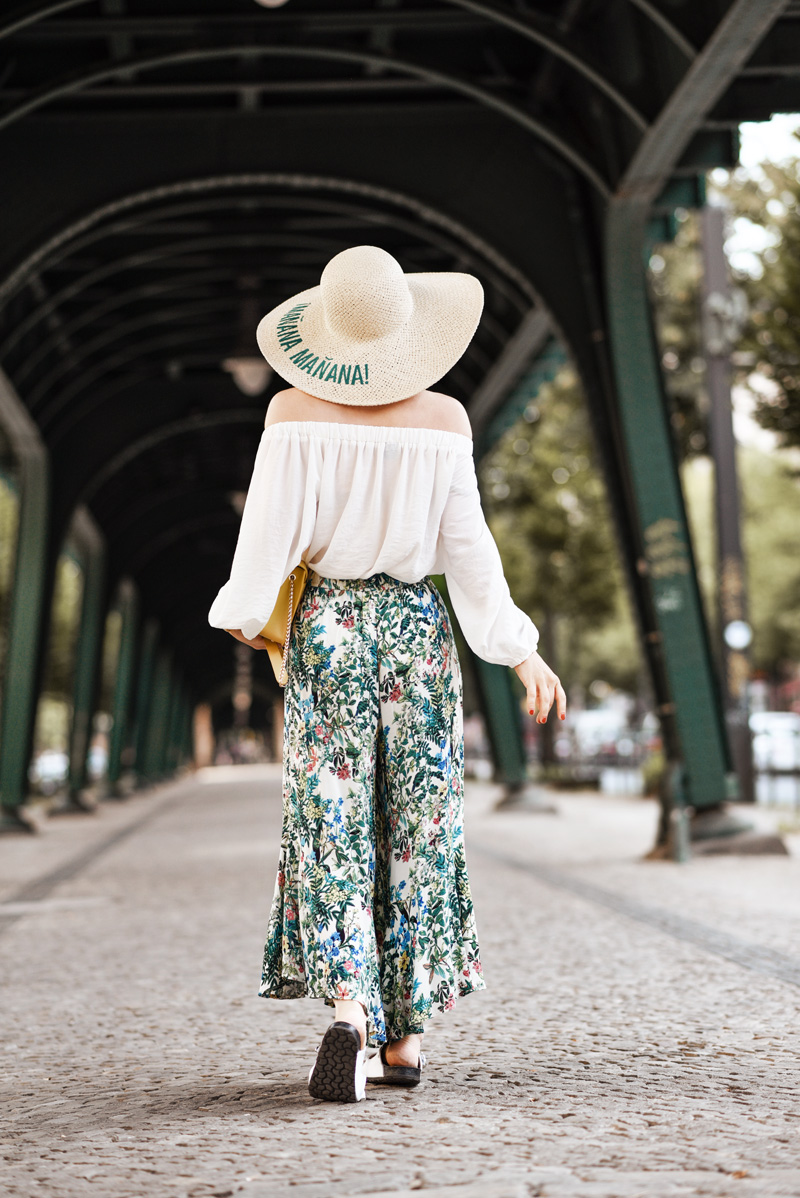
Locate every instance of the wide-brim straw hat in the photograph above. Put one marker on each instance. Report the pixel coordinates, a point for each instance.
(370, 334)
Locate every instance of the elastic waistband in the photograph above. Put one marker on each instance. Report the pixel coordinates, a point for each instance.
(375, 582)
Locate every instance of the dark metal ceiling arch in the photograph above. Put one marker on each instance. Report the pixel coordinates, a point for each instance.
(185, 340)
(33, 262)
(177, 428)
(123, 521)
(132, 66)
(39, 12)
(161, 543)
(527, 25)
(103, 274)
(120, 330)
(166, 256)
(70, 404)
(177, 590)
(107, 306)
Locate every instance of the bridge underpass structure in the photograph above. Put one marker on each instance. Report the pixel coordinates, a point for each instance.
(171, 171)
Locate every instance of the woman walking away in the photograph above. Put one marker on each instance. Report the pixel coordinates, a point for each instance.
(368, 477)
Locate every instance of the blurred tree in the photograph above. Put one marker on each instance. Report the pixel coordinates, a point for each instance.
(64, 621)
(770, 347)
(771, 534)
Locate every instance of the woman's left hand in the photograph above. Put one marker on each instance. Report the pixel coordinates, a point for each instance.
(257, 642)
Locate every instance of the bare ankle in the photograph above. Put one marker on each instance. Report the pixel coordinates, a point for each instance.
(405, 1051)
(350, 1011)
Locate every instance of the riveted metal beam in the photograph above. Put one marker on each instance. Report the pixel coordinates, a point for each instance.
(127, 330)
(710, 72)
(27, 605)
(668, 564)
(305, 184)
(176, 428)
(152, 764)
(82, 79)
(151, 222)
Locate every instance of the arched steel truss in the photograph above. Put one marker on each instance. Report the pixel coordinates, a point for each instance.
(527, 26)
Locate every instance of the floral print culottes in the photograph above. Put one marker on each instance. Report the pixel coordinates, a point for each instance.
(372, 900)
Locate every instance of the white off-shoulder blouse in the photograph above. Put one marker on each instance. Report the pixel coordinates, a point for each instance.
(353, 500)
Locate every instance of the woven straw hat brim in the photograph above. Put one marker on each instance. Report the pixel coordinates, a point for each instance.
(300, 347)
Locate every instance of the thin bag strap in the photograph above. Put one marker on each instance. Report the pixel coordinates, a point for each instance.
(284, 671)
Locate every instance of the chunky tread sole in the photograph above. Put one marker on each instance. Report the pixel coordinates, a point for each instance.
(337, 1074)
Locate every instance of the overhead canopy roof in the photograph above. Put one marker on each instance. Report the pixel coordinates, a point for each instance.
(172, 169)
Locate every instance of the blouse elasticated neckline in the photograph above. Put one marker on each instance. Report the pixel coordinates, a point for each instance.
(400, 433)
(354, 500)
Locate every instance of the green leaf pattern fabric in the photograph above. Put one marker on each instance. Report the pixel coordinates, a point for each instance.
(372, 899)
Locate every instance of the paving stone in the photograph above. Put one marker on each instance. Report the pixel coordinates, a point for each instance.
(608, 1057)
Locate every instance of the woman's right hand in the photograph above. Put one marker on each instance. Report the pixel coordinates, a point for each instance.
(257, 642)
(543, 688)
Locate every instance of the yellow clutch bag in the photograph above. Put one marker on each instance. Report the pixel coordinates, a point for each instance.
(277, 631)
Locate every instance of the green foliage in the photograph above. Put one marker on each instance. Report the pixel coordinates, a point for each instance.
(547, 507)
(771, 340)
(53, 717)
(771, 537)
(64, 622)
(767, 360)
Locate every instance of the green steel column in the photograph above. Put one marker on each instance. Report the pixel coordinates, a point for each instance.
(144, 688)
(503, 722)
(87, 654)
(168, 764)
(176, 727)
(27, 602)
(500, 709)
(668, 564)
(127, 604)
(157, 716)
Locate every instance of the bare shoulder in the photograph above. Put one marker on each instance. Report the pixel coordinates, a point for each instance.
(289, 404)
(447, 413)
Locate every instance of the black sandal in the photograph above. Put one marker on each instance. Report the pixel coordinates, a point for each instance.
(337, 1074)
(381, 1074)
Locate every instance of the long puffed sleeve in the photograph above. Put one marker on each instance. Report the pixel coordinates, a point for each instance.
(494, 627)
(276, 529)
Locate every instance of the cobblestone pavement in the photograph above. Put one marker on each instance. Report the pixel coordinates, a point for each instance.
(639, 1034)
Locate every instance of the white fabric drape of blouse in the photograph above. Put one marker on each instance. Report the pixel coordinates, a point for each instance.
(353, 500)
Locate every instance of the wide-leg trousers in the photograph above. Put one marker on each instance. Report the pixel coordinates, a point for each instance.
(372, 899)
